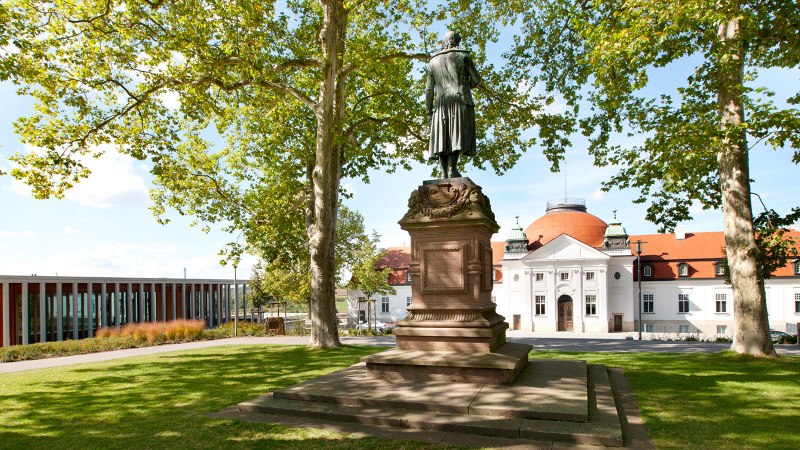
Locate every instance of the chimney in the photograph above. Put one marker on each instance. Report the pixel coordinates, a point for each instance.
(680, 232)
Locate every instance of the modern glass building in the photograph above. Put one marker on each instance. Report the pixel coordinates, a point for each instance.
(43, 308)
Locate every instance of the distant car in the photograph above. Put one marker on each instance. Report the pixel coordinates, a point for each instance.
(377, 325)
(776, 335)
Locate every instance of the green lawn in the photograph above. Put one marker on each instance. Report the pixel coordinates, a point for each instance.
(160, 401)
(711, 401)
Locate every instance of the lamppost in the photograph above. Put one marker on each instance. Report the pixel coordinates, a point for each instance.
(639, 278)
(235, 303)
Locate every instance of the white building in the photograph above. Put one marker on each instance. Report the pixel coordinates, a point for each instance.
(570, 271)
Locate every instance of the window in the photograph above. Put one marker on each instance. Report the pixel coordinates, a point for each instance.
(589, 276)
(647, 303)
(649, 328)
(384, 304)
(683, 303)
(797, 267)
(540, 306)
(683, 329)
(408, 301)
(797, 302)
(719, 269)
(647, 271)
(722, 329)
(494, 299)
(683, 270)
(722, 303)
(408, 276)
(539, 276)
(591, 305)
(494, 274)
(564, 276)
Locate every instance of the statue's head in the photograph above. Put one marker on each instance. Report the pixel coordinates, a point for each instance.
(451, 39)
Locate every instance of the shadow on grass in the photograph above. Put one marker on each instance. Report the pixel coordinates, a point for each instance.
(161, 401)
(707, 401)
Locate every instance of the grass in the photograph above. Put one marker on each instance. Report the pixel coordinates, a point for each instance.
(162, 401)
(687, 401)
(710, 401)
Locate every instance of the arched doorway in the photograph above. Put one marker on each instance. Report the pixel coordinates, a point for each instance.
(565, 313)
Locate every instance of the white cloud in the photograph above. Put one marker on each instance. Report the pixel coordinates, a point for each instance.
(115, 179)
(17, 234)
(170, 99)
(598, 194)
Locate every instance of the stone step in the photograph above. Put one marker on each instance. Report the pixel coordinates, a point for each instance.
(602, 426)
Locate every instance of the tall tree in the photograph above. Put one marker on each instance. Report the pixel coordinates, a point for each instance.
(368, 274)
(676, 146)
(299, 93)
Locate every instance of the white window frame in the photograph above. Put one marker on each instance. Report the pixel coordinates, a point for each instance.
(408, 302)
(538, 276)
(589, 276)
(540, 305)
(648, 299)
(385, 305)
(563, 276)
(684, 304)
(683, 270)
(722, 329)
(797, 302)
(684, 329)
(649, 328)
(647, 271)
(591, 304)
(721, 299)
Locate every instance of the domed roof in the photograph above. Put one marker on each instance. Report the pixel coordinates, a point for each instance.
(566, 216)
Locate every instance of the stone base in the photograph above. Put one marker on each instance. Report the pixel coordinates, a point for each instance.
(552, 401)
(499, 367)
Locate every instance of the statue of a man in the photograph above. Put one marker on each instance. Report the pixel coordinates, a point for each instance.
(451, 111)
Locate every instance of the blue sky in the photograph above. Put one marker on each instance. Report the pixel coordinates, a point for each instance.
(104, 227)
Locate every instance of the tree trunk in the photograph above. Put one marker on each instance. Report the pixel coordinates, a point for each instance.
(325, 182)
(751, 325)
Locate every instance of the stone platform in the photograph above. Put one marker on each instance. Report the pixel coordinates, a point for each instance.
(501, 366)
(552, 401)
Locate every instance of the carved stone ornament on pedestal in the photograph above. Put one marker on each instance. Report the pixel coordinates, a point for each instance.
(452, 330)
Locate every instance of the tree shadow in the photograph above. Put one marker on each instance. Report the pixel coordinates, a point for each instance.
(162, 401)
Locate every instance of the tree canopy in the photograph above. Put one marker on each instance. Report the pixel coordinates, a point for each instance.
(605, 61)
(249, 112)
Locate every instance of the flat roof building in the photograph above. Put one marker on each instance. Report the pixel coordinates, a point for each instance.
(54, 308)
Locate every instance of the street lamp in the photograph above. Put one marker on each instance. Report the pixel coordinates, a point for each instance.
(235, 303)
(639, 278)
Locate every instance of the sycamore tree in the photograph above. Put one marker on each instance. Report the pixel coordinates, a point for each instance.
(368, 276)
(677, 147)
(286, 277)
(248, 112)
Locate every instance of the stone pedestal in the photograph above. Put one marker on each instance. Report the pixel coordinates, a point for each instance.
(452, 330)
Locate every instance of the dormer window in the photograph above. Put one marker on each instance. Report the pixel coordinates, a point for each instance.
(408, 276)
(647, 271)
(683, 270)
(797, 267)
(719, 269)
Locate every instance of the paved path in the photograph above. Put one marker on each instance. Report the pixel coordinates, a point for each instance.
(596, 343)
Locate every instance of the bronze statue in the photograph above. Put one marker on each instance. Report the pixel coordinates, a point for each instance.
(451, 111)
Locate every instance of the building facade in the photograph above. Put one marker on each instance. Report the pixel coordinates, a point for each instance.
(570, 271)
(42, 308)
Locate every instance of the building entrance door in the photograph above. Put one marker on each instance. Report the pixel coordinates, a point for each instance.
(565, 313)
(617, 322)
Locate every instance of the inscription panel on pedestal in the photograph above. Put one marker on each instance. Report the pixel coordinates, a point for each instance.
(443, 267)
(488, 268)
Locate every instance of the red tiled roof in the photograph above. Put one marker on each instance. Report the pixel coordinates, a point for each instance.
(701, 251)
(396, 258)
